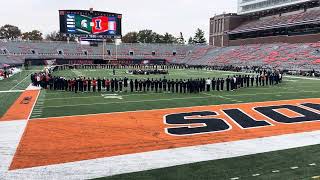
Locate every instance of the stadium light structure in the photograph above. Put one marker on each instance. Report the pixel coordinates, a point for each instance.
(117, 43)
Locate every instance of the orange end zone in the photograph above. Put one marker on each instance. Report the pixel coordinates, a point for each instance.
(68, 139)
(22, 107)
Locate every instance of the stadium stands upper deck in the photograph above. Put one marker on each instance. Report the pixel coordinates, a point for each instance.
(290, 22)
(312, 15)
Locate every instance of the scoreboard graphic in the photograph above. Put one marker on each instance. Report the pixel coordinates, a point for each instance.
(90, 24)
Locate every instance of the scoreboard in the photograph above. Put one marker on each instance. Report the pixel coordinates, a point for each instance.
(90, 24)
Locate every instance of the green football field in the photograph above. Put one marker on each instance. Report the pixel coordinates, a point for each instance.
(9, 88)
(59, 103)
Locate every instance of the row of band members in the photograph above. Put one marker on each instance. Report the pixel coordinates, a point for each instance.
(190, 85)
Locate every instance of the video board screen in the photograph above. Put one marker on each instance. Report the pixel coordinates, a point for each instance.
(92, 24)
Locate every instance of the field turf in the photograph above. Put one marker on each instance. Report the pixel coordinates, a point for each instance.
(58, 103)
(19, 81)
(245, 167)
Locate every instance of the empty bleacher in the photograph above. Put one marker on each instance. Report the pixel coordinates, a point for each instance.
(280, 21)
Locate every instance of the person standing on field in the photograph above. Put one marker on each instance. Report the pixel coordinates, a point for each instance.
(107, 82)
(99, 84)
(89, 84)
(120, 85)
(125, 84)
(94, 85)
(222, 84)
(228, 83)
(131, 85)
(208, 84)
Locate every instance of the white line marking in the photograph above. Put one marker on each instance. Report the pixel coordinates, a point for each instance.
(235, 178)
(295, 167)
(276, 171)
(308, 78)
(35, 102)
(37, 112)
(207, 94)
(36, 115)
(11, 133)
(20, 82)
(102, 167)
(312, 164)
(12, 91)
(254, 175)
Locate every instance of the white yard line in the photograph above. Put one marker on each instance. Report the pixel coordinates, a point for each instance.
(12, 91)
(20, 82)
(102, 167)
(35, 102)
(11, 133)
(307, 78)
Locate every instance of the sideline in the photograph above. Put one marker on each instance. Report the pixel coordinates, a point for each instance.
(20, 82)
(12, 91)
(307, 78)
(155, 100)
(103, 167)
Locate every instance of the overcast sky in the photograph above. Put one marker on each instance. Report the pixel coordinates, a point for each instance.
(162, 16)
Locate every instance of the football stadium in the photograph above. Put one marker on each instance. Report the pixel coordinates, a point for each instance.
(89, 102)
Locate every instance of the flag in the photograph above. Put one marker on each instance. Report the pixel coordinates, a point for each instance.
(112, 24)
(83, 24)
(101, 24)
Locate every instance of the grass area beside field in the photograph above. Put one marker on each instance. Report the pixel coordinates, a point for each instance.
(273, 165)
(121, 73)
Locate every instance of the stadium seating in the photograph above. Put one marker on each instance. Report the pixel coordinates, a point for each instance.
(288, 56)
(275, 21)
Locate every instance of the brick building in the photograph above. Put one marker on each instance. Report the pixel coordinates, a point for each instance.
(267, 21)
